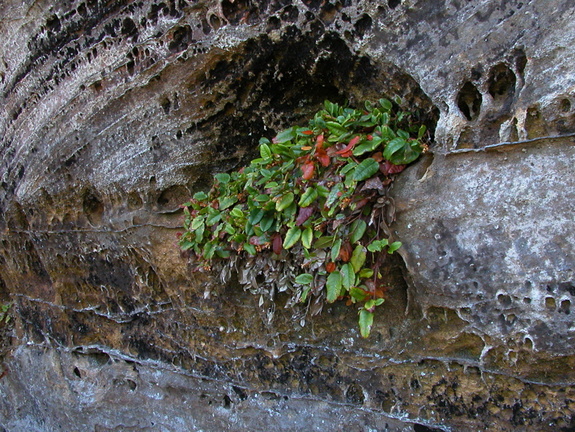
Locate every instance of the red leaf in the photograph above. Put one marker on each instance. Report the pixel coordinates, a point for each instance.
(330, 267)
(320, 153)
(308, 170)
(307, 132)
(388, 168)
(346, 151)
(304, 214)
(277, 244)
(378, 157)
(345, 252)
(323, 157)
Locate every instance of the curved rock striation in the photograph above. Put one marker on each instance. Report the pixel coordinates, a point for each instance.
(115, 112)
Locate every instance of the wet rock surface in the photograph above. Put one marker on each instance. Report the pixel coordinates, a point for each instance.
(115, 112)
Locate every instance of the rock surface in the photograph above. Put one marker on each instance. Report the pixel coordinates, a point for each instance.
(114, 112)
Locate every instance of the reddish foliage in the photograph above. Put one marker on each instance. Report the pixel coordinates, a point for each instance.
(388, 168)
(347, 150)
(277, 244)
(345, 252)
(303, 215)
(308, 170)
(330, 267)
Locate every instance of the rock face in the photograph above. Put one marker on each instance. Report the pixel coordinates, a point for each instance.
(115, 112)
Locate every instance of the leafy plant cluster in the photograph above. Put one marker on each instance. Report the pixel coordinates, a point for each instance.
(315, 197)
(4, 313)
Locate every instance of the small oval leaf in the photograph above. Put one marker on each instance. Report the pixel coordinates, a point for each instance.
(292, 237)
(307, 237)
(365, 322)
(304, 279)
(365, 169)
(333, 285)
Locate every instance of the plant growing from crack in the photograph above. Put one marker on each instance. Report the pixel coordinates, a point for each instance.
(311, 212)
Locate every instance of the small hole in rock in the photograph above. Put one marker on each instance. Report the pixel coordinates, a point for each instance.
(77, 372)
(354, 394)
(227, 401)
(566, 307)
(550, 303)
(240, 392)
(565, 105)
(504, 299)
(469, 101)
(93, 208)
(393, 3)
(501, 83)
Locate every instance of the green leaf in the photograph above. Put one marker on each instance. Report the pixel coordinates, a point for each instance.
(393, 247)
(365, 322)
(334, 195)
(285, 201)
(222, 253)
(307, 237)
(421, 132)
(197, 223)
(385, 104)
(304, 279)
(209, 250)
(336, 128)
(400, 151)
(358, 294)
(358, 257)
(323, 242)
(292, 237)
(249, 248)
(286, 135)
(335, 250)
(377, 245)
(333, 285)
(266, 223)
(265, 151)
(357, 230)
(236, 213)
(366, 169)
(185, 245)
(227, 201)
(308, 197)
(367, 146)
(384, 118)
(304, 294)
(200, 196)
(256, 216)
(347, 276)
(223, 178)
(213, 218)
(371, 304)
(365, 273)
(387, 133)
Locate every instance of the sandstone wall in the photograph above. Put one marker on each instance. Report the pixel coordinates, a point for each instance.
(114, 112)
